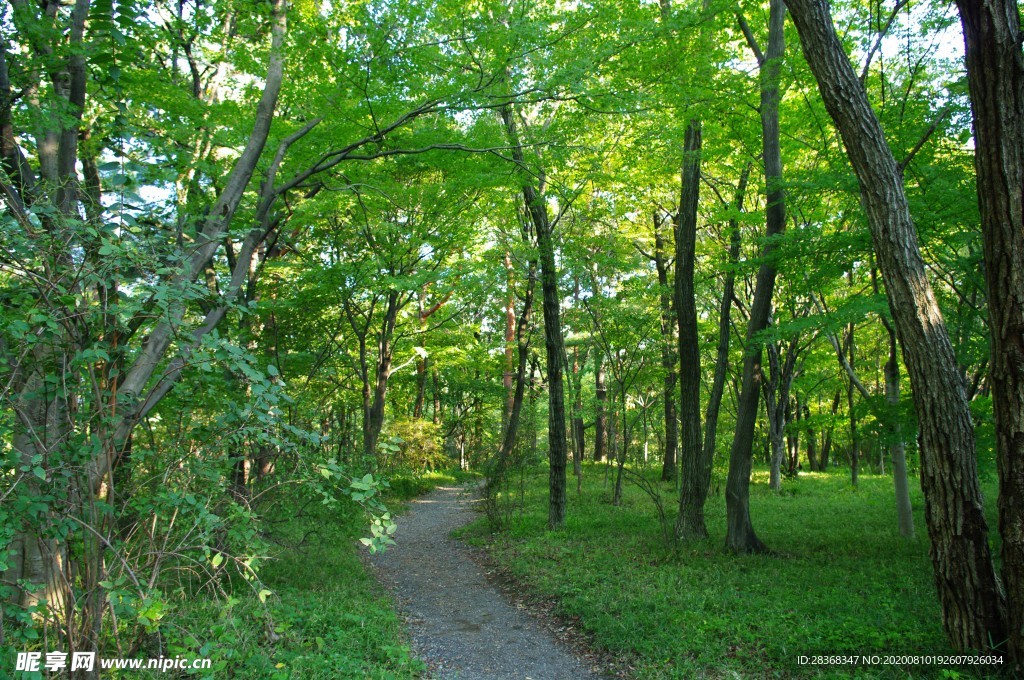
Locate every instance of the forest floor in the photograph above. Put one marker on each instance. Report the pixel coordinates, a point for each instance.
(840, 582)
(460, 624)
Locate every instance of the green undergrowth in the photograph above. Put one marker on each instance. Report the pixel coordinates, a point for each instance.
(841, 580)
(408, 486)
(322, 614)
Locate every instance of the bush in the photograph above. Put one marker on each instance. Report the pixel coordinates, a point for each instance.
(419, 445)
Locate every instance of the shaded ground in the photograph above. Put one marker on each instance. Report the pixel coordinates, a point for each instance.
(460, 625)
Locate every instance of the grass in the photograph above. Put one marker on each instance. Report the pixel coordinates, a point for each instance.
(842, 581)
(326, 616)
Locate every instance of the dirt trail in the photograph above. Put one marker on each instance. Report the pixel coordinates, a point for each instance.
(460, 625)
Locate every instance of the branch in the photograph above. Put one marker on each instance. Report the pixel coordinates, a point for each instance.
(751, 40)
(900, 4)
(843, 361)
(943, 112)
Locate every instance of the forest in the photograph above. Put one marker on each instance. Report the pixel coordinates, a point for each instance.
(718, 304)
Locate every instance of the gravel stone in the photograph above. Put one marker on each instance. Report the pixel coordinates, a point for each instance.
(459, 624)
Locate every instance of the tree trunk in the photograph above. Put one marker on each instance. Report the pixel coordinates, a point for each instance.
(601, 398)
(576, 386)
(776, 417)
(897, 448)
(826, 444)
(555, 350)
(509, 378)
(696, 472)
(812, 444)
(436, 415)
(421, 361)
(995, 76)
(794, 411)
(522, 337)
(375, 416)
(972, 604)
(553, 342)
(740, 536)
(854, 436)
(41, 561)
(722, 357)
(777, 439)
(776, 393)
(669, 355)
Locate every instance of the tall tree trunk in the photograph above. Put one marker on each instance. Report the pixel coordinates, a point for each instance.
(722, 356)
(669, 355)
(696, 466)
(375, 416)
(555, 351)
(740, 536)
(995, 76)
(576, 386)
(972, 604)
(553, 343)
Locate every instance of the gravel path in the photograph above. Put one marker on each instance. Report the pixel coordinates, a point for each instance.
(460, 625)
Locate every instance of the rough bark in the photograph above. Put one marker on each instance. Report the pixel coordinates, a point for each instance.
(972, 604)
(740, 535)
(995, 77)
(696, 467)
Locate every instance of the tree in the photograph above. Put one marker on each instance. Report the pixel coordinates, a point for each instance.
(724, 319)
(964, 573)
(740, 535)
(995, 77)
(669, 352)
(696, 474)
(47, 202)
(554, 344)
